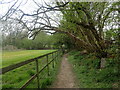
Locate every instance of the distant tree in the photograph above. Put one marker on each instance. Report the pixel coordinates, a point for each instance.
(41, 41)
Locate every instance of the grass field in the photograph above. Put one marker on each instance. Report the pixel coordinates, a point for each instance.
(13, 57)
(16, 78)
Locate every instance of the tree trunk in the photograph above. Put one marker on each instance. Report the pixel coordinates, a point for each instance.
(103, 63)
(102, 56)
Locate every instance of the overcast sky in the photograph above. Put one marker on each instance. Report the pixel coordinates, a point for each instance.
(29, 6)
(26, 5)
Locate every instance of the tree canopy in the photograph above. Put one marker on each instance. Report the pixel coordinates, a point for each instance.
(90, 25)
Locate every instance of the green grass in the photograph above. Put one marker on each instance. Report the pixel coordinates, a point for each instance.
(88, 74)
(9, 58)
(16, 78)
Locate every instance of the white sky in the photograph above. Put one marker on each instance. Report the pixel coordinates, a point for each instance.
(30, 5)
(26, 5)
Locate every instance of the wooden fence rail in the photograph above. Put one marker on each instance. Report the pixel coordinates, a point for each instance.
(55, 56)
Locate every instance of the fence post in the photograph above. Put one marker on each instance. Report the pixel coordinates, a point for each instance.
(37, 70)
(53, 60)
(47, 66)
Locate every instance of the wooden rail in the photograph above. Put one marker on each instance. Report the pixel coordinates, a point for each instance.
(14, 66)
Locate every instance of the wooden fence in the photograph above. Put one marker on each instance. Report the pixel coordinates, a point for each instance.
(54, 59)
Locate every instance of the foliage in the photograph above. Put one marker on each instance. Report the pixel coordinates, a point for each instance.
(61, 40)
(41, 41)
(85, 67)
(88, 24)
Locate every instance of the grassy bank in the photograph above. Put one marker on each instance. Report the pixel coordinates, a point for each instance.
(16, 78)
(85, 67)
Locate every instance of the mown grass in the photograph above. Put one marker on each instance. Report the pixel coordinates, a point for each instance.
(13, 57)
(16, 78)
(88, 74)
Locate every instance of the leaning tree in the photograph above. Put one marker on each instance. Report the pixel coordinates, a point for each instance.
(84, 22)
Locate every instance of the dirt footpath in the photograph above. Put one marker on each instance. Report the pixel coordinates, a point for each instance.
(65, 77)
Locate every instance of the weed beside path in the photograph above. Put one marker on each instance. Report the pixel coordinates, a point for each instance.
(88, 74)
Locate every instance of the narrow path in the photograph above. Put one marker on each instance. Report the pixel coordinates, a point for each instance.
(65, 77)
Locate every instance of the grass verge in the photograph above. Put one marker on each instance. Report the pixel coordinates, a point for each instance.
(85, 67)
